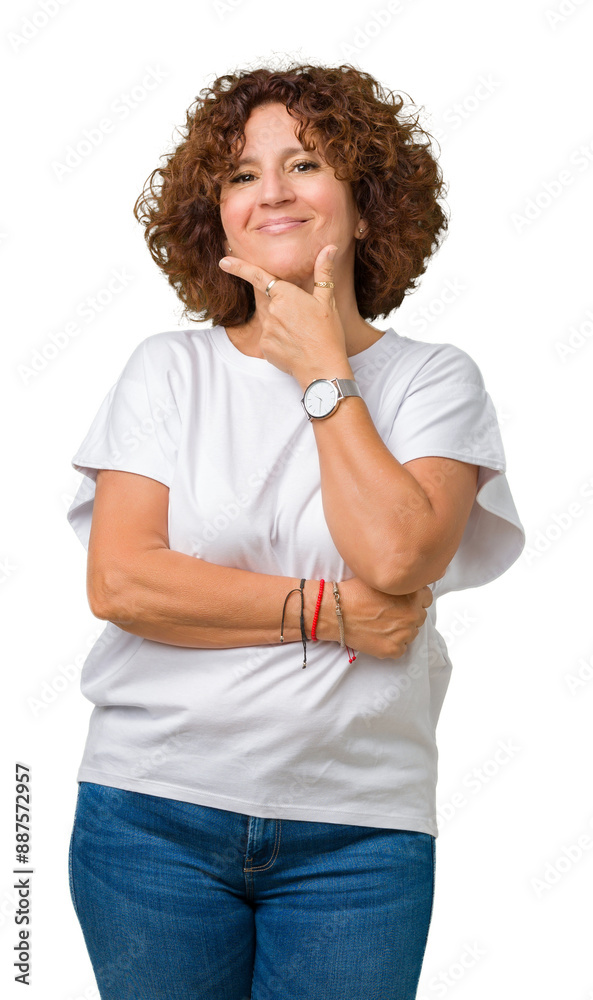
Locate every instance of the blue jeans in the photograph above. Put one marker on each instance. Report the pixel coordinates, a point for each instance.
(180, 901)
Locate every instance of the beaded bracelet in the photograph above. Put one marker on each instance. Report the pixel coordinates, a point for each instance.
(317, 606)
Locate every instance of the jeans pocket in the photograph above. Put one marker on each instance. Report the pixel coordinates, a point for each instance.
(70, 848)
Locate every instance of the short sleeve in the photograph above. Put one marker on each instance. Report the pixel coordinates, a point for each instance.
(447, 412)
(136, 429)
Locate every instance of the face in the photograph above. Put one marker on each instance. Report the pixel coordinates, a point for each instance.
(282, 180)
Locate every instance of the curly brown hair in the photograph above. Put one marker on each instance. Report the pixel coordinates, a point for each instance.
(396, 183)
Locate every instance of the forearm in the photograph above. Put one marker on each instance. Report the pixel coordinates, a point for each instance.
(377, 513)
(174, 598)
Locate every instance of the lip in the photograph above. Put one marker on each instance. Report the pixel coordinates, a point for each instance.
(281, 225)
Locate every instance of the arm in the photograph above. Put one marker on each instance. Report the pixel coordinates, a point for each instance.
(135, 581)
(397, 526)
(397, 531)
(178, 599)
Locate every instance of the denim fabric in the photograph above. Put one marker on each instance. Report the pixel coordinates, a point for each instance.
(179, 901)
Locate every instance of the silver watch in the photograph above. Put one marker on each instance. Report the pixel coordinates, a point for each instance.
(322, 396)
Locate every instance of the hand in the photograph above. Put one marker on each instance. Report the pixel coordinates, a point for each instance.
(382, 625)
(300, 332)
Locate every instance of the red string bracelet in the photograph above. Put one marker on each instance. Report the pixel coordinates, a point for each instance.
(351, 658)
(317, 606)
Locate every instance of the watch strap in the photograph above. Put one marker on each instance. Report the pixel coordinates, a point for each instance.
(347, 387)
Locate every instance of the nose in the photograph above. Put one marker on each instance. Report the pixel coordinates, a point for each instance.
(274, 188)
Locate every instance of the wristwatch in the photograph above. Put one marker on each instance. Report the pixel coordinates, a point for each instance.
(322, 396)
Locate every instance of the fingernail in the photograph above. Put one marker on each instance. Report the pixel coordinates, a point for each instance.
(224, 262)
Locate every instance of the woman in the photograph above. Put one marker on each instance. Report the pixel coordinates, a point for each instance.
(245, 827)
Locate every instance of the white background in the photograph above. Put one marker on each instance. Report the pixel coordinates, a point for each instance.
(506, 86)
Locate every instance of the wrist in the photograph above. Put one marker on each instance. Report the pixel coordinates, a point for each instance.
(338, 367)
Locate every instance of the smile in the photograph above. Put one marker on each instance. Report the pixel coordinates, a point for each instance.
(281, 227)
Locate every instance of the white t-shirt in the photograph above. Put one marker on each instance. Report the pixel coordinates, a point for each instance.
(246, 728)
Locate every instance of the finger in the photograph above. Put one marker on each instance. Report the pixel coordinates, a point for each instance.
(427, 597)
(256, 276)
(324, 271)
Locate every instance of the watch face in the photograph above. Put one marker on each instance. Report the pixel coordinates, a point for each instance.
(320, 398)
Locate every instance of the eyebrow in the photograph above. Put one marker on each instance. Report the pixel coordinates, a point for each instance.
(289, 151)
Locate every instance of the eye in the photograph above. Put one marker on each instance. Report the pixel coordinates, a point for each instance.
(306, 163)
(301, 163)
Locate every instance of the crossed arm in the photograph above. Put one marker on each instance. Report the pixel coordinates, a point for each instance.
(396, 526)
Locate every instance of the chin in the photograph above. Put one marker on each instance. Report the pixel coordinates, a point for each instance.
(288, 270)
